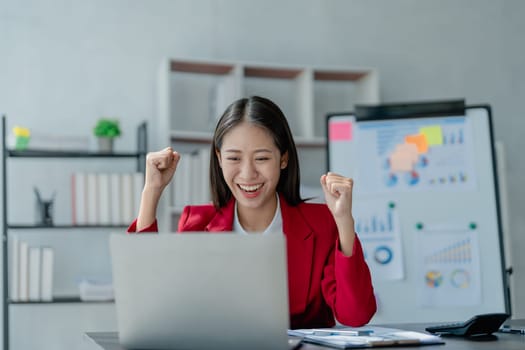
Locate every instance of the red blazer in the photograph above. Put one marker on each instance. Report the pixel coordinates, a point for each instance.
(322, 282)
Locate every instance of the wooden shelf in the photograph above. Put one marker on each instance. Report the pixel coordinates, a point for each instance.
(310, 142)
(191, 136)
(200, 67)
(334, 75)
(206, 138)
(276, 73)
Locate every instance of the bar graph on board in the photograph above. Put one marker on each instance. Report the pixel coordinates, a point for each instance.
(377, 225)
(459, 252)
(376, 222)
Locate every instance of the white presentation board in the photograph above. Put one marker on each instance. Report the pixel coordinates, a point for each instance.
(426, 211)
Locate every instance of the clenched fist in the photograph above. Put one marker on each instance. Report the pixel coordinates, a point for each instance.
(160, 168)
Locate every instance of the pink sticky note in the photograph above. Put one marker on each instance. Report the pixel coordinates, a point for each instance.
(400, 161)
(340, 131)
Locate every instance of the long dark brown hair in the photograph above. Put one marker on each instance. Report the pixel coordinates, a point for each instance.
(264, 113)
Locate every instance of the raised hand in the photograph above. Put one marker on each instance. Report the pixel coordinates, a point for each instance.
(160, 168)
(338, 194)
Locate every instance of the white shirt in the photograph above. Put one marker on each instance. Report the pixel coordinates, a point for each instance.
(276, 226)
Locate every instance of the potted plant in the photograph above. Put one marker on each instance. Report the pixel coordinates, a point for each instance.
(106, 130)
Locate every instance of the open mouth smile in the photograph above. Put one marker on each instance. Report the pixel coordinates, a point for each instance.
(250, 188)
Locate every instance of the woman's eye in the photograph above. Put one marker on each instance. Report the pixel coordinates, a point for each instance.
(233, 159)
(261, 159)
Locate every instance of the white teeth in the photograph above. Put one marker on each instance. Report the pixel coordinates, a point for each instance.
(250, 188)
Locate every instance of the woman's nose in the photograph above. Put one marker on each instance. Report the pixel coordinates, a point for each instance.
(248, 170)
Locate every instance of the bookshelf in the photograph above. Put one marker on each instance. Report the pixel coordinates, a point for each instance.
(10, 155)
(192, 94)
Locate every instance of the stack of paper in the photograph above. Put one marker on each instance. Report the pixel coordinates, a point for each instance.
(96, 290)
(364, 337)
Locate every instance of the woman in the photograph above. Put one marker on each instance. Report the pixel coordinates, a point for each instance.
(254, 175)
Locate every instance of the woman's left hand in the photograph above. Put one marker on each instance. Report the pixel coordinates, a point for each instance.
(338, 194)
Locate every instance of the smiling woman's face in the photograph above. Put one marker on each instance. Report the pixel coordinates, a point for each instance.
(251, 165)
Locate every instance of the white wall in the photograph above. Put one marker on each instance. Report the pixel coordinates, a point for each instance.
(65, 63)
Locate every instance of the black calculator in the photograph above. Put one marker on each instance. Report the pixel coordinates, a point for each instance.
(478, 325)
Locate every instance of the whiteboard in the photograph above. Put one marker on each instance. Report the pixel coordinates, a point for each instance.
(426, 211)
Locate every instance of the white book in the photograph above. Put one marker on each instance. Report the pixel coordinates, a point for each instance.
(46, 288)
(115, 208)
(204, 175)
(79, 199)
(181, 186)
(126, 195)
(196, 188)
(138, 185)
(92, 199)
(23, 277)
(104, 199)
(34, 273)
(186, 181)
(15, 268)
(176, 185)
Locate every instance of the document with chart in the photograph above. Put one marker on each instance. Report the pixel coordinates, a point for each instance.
(364, 337)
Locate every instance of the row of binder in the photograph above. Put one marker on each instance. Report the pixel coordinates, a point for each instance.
(31, 272)
(105, 198)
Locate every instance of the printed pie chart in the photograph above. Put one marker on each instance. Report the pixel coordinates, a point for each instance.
(433, 279)
(383, 255)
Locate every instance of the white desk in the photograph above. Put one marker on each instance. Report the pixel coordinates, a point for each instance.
(109, 341)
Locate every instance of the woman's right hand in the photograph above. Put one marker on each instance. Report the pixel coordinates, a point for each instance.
(160, 168)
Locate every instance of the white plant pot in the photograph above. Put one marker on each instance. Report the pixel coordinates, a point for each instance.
(105, 144)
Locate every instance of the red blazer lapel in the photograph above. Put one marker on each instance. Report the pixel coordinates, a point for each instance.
(300, 249)
(223, 219)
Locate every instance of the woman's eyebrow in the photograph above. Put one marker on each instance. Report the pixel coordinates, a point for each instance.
(233, 150)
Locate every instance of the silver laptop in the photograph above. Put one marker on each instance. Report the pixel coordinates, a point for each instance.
(200, 291)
